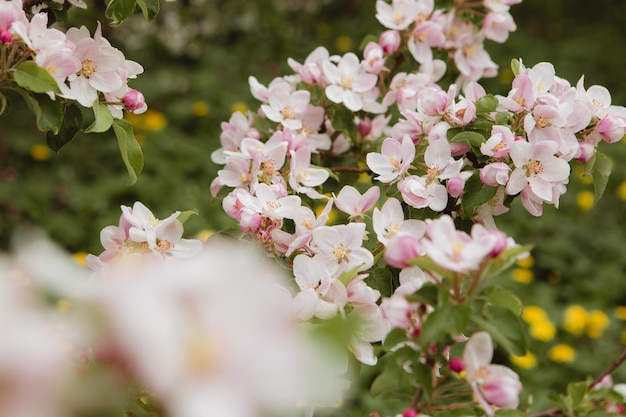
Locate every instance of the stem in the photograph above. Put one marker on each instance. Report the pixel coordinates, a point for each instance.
(416, 398)
(613, 366)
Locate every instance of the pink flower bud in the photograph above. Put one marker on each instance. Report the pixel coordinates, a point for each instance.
(457, 365)
(502, 388)
(133, 100)
(401, 249)
(390, 41)
(365, 126)
(494, 174)
(587, 151)
(456, 184)
(612, 128)
(5, 36)
(502, 242)
(409, 412)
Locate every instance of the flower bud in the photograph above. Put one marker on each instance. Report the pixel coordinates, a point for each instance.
(456, 184)
(5, 36)
(494, 174)
(587, 151)
(401, 249)
(134, 101)
(365, 126)
(612, 128)
(390, 41)
(409, 412)
(502, 388)
(457, 365)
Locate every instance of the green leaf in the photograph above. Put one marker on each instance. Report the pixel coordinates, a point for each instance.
(394, 338)
(504, 298)
(601, 173)
(32, 77)
(72, 121)
(467, 136)
(185, 215)
(129, 148)
(381, 279)
(506, 258)
(576, 391)
(505, 328)
(149, 8)
(428, 294)
(515, 66)
(103, 118)
(446, 321)
(48, 113)
(428, 264)
(119, 10)
(475, 194)
(342, 119)
(486, 104)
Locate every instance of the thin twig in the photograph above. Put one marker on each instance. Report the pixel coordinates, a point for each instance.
(350, 169)
(613, 366)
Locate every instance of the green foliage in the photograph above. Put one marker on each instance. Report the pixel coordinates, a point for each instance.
(32, 77)
(129, 148)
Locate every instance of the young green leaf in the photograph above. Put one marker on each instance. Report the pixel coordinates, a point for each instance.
(486, 104)
(119, 10)
(129, 148)
(467, 136)
(185, 215)
(72, 121)
(32, 77)
(475, 194)
(601, 173)
(149, 8)
(505, 328)
(504, 298)
(48, 113)
(103, 118)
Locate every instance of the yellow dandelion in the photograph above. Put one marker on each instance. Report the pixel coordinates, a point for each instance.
(365, 178)
(40, 152)
(620, 313)
(239, 106)
(597, 322)
(561, 353)
(79, 258)
(575, 320)
(585, 200)
(528, 361)
(344, 43)
(523, 276)
(621, 191)
(200, 108)
(623, 338)
(532, 314)
(542, 330)
(154, 120)
(526, 262)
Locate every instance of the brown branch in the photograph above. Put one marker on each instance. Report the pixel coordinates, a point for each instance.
(613, 366)
(553, 412)
(416, 398)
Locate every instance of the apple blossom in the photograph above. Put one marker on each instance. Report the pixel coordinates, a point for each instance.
(494, 386)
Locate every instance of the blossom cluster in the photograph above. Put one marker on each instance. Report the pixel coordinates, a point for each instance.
(433, 154)
(86, 69)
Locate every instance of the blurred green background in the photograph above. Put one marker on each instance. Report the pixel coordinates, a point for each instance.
(197, 57)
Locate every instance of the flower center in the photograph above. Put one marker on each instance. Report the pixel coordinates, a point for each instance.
(88, 68)
(534, 168)
(340, 253)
